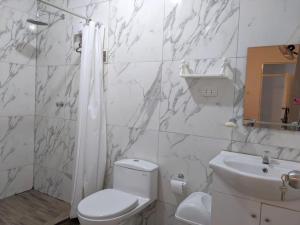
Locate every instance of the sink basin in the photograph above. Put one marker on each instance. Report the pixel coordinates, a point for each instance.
(248, 175)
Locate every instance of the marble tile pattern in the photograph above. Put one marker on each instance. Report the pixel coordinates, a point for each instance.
(56, 99)
(135, 31)
(17, 84)
(139, 82)
(54, 143)
(200, 29)
(183, 108)
(153, 114)
(96, 10)
(258, 28)
(17, 42)
(50, 90)
(16, 180)
(52, 182)
(17, 91)
(16, 141)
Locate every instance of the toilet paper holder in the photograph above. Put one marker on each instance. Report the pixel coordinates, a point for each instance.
(179, 177)
(178, 184)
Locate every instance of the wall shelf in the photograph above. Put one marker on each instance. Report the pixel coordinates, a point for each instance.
(225, 73)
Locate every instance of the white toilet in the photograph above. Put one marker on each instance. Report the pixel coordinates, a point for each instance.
(134, 188)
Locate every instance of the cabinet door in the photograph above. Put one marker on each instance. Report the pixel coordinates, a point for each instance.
(272, 215)
(229, 210)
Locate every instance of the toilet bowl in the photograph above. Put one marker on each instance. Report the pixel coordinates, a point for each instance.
(134, 188)
(195, 209)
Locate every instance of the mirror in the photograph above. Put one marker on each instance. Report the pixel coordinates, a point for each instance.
(272, 92)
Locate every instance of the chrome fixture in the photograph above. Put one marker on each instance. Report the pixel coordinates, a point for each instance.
(65, 10)
(266, 158)
(37, 22)
(59, 104)
(292, 179)
(77, 40)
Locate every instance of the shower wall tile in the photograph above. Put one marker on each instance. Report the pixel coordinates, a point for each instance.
(17, 84)
(133, 94)
(56, 82)
(55, 144)
(59, 3)
(72, 91)
(50, 89)
(16, 142)
(124, 142)
(53, 183)
(17, 90)
(200, 29)
(16, 180)
(185, 154)
(183, 108)
(17, 43)
(51, 155)
(52, 40)
(98, 12)
(136, 30)
(261, 25)
(20, 5)
(54, 154)
(83, 3)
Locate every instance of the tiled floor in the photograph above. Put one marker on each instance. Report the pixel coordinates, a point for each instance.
(33, 208)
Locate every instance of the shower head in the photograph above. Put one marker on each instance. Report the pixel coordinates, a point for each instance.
(37, 22)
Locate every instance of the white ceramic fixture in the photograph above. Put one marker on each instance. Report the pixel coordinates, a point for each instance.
(248, 175)
(195, 209)
(134, 188)
(225, 73)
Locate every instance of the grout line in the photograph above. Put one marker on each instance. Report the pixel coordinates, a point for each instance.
(171, 132)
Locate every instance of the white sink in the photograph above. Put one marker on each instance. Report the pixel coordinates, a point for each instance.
(248, 175)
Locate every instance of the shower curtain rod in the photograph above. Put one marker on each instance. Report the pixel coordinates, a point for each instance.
(65, 10)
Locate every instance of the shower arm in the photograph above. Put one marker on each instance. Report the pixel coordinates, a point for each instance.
(65, 10)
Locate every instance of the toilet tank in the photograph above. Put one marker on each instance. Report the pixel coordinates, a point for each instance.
(135, 176)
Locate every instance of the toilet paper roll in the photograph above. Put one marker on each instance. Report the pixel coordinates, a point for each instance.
(177, 186)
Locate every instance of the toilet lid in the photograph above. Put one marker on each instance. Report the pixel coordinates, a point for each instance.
(106, 204)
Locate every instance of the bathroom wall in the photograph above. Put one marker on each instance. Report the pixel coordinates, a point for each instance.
(154, 114)
(17, 77)
(55, 124)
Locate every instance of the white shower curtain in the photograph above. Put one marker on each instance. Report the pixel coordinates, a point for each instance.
(90, 155)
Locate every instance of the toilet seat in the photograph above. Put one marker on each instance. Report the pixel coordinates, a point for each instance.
(102, 204)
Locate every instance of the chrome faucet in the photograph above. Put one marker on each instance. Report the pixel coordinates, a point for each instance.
(266, 158)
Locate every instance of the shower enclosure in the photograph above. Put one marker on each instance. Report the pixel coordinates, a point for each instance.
(39, 88)
(56, 85)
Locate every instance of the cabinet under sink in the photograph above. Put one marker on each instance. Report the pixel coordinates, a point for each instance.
(232, 210)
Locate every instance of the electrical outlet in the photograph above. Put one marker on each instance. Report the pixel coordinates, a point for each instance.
(209, 92)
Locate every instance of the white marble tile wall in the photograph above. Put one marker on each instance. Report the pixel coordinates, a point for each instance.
(154, 114)
(56, 105)
(17, 90)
